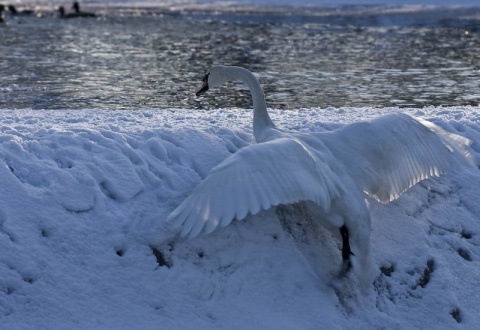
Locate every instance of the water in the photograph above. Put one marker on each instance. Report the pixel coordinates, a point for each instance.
(304, 58)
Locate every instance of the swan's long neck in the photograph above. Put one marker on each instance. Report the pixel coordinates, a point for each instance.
(261, 119)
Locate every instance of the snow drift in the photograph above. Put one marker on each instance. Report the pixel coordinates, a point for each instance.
(84, 243)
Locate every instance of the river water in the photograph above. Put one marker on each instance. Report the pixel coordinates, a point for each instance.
(348, 56)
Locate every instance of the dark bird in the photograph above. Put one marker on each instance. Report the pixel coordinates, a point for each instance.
(76, 8)
(77, 12)
(2, 8)
(14, 11)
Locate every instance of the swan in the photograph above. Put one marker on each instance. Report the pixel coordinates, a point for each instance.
(330, 172)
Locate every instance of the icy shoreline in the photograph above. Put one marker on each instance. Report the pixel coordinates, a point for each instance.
(84, 196)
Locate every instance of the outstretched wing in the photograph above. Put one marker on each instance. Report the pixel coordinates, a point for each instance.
(256, 177)
(388, 155)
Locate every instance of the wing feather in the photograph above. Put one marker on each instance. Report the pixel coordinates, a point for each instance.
(388, 155)
(257, 177)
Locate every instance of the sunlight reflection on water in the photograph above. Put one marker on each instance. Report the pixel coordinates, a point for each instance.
(130, 62)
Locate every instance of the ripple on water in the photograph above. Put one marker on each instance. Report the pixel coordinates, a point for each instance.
(146, 61)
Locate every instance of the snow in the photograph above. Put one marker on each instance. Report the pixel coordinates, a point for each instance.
(85, 195)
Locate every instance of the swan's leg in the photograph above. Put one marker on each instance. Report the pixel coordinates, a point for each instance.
(346, 252)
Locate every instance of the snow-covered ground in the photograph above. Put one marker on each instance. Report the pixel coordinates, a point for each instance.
(84, 243)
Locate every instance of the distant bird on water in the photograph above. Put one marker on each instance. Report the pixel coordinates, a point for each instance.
(76, 8)
(77, 12)
(2, 8)
(25, 12)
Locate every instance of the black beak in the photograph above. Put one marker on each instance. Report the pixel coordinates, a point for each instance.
(204, 87)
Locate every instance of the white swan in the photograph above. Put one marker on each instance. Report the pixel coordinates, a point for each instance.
(329, 171)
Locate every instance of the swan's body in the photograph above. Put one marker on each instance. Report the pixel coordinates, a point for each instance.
(330, 172)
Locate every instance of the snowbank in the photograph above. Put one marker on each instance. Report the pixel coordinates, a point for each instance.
(84, 244)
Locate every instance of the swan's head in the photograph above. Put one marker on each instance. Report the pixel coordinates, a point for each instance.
(215, 77)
